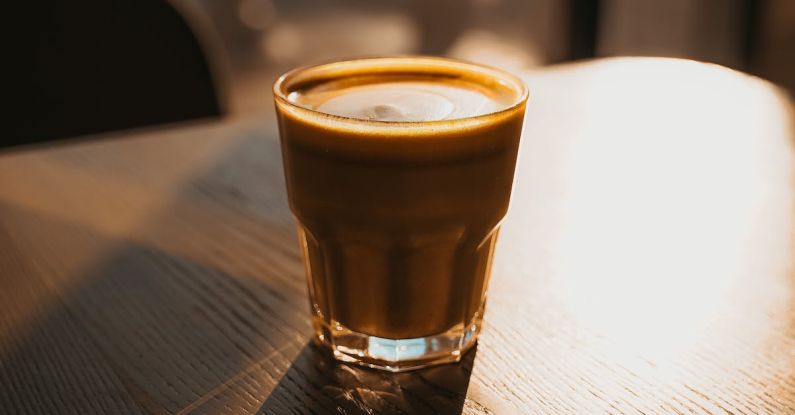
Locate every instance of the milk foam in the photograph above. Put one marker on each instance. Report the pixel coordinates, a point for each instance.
(401, 101)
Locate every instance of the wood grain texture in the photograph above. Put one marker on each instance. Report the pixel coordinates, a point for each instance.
(645, 266)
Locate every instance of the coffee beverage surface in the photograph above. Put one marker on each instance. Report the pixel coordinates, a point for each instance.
(407, 100)
(398, 171)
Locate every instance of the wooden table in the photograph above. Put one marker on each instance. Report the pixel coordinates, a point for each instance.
(645, 266)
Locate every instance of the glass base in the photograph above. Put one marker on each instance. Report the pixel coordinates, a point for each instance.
(396, 355)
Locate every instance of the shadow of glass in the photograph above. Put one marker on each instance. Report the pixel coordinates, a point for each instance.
(340, 388)
(139, 331)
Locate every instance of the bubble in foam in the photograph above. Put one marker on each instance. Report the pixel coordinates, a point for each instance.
(390, 112)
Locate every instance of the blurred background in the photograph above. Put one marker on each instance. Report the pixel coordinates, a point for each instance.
(116, 64)
(262, 38)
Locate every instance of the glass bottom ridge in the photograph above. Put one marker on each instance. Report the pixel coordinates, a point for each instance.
(395, 355)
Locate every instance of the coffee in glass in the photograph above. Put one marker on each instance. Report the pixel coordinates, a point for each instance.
(399, 172)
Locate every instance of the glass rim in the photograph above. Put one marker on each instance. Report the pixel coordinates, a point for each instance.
(437, 64)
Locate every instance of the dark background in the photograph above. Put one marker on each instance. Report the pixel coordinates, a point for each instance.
(94, 66)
